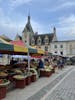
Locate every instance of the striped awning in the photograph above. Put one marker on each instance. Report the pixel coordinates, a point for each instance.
(20, 49)
(12, 49)
(9, 48)
(39, 50)
(20, 43)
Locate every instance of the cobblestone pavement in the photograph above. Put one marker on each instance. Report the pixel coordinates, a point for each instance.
(65, 90)
(47, 88)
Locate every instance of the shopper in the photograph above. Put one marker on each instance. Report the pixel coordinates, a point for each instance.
(41, 64)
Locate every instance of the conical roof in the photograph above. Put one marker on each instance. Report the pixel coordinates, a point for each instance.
(28, 27)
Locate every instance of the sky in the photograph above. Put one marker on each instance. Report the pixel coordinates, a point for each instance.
(45, 14)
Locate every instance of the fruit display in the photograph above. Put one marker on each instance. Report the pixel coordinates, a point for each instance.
(11, 72)
(4, 82)
(34, 72)
(18, 71)
(3, 74)
(19, 77)
(47, 69)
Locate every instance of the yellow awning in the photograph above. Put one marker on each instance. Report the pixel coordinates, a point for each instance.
(40, 51)
(20, 49)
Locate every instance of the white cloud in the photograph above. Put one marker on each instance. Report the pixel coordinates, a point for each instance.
(15, 3)
(61, 6)
(66, 27)
(67, 20)
(11, 28)
(37, 27)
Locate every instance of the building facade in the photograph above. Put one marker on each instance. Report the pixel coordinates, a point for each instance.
(48, 41)
(34, 39)
(64, 48)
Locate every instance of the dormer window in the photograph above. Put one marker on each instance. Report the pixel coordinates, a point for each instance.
(46, 40)
(39, 41)
(32, 41)
(46, 48)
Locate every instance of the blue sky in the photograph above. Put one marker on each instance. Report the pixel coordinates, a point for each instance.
(45, 14)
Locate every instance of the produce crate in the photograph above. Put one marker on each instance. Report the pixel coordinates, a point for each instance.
(28, 80)
(48, 73)
(3, 91)
(42, 73)
(20, 83)
(33, 78)
(53, 70)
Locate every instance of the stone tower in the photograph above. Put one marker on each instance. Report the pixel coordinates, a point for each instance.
(54, 30)
(27, 32)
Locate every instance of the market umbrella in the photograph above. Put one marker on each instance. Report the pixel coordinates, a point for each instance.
(39, 50)
(21, 43)
(6, 48)
(12, 49)
(20, 49)
(31, 50)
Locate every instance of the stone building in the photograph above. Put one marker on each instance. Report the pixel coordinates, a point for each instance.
(47, 41)
(64, 48)
(33, 39)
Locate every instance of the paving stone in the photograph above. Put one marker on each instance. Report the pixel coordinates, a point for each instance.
(66, 90)
(47, 88)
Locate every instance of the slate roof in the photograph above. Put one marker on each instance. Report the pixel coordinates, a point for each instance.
(42, 36)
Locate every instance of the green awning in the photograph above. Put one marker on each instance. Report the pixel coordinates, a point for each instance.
(13, 49)
(6, 47)
(32, 50)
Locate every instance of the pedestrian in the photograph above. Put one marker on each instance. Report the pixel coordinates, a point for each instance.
(41, 64)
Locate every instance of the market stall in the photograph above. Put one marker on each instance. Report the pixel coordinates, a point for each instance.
(12, 72)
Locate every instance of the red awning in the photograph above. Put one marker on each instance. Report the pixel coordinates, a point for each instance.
(37, 56)
(19, 43)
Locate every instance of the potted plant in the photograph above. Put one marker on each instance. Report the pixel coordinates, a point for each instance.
(20, 81)
(48, 72)
(3, 87)
(42, 72)
(28, 78)
(34, 74)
